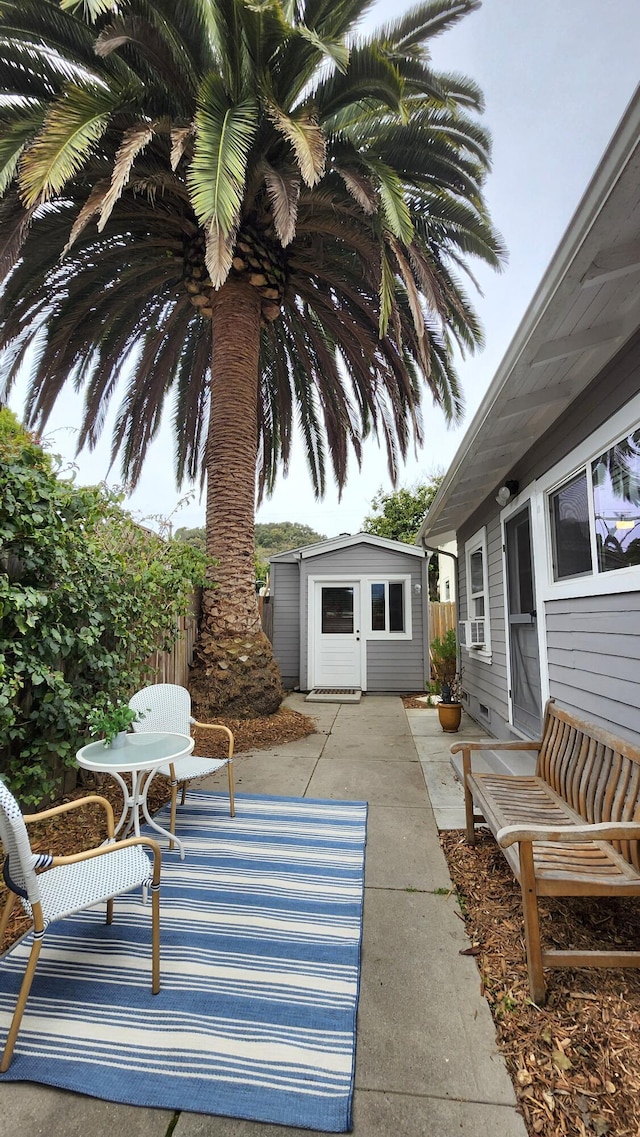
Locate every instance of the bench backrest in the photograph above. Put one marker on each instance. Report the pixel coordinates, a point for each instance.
(595, 772)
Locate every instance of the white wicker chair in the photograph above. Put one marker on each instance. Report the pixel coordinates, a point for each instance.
(167, 706)
(69, 885)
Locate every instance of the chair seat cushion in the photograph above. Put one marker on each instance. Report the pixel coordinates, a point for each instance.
(190, 767)
(66, 889)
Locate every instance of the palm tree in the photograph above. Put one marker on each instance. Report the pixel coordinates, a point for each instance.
(247, 204)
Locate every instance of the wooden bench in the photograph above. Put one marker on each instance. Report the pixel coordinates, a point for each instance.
(571, 829)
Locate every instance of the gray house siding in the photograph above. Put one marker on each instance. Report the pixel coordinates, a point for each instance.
(593, 643)
(285, 597)
(594, 659)
(392, 665)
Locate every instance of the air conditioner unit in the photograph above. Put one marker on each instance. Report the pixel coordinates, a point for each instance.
(472, 634)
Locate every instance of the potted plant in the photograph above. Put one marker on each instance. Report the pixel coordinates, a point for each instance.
(444, 666)
(112, 721)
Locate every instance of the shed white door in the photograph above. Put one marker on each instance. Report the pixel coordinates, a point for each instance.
(336, 641)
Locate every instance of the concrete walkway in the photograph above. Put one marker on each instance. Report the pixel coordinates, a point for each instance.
(427, 1062)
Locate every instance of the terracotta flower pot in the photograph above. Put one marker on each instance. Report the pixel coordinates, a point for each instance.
(450, 715)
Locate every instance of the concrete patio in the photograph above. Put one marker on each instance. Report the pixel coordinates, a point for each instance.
(427, 1061)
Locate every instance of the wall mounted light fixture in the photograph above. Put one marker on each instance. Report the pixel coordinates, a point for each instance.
(507, 492)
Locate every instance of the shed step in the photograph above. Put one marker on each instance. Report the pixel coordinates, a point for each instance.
(334, 695)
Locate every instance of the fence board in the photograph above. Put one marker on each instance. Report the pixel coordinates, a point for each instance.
(173, 666)
(442, 617)
(265, 608)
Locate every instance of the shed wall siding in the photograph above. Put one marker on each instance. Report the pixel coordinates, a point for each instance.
(285, 597)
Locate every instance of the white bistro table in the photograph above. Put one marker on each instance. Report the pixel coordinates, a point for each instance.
(140, 755)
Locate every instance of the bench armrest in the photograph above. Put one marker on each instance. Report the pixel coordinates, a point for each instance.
(570, 834)
(487, 744)
(494, 744)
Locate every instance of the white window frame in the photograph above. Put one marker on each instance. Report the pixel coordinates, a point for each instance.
(478, 543)
(623, 423)
(386, 579)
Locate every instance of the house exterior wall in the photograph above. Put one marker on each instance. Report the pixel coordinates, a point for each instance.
(285, 597)
(391, 664)
(590, 641)
(447, 574)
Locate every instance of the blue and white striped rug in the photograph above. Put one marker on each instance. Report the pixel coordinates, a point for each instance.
(260, 952)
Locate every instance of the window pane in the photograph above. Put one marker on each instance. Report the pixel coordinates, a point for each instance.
(337, 611)
(477, 603)
(377, 608)
(477, 575)
(396, 607)
(616, 499)
(570, 529)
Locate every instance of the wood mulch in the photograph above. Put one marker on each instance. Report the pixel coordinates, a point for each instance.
(85, 828)
(575, 1063)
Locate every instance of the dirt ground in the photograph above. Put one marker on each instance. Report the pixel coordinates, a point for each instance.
(575, 1063)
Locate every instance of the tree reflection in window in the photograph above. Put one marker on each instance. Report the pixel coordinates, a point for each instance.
(616, 498)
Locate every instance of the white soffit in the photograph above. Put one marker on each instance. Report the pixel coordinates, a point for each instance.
(586, 307)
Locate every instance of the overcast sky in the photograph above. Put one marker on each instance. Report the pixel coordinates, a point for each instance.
(557, 76)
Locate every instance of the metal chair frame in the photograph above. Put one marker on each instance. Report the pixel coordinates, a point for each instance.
(167, 706)
(70, 884)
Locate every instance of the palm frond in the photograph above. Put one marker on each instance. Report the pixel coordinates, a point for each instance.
(306, 138)
(334, 49)
(72, 127)
(133, 143)
(216, 176)
(394, 206)
(90, 9)
(283, 188)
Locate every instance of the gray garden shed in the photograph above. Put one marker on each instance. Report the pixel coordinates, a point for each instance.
(351, 614)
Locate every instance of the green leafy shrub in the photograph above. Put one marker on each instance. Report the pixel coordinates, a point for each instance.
(444, 666)
(85, 597)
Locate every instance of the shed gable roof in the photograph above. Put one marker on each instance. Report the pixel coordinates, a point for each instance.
(343, 542)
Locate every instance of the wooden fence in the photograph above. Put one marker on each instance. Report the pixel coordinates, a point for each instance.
(173, 666)
(442, 617)
(265, 608)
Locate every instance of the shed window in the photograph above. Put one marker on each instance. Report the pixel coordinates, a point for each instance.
(388, 607)
(337, 611)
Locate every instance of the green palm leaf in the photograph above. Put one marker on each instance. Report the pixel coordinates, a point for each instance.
(92, 9)
(224, 133)
(72, 127)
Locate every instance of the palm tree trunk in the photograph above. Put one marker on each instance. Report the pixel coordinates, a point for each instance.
(233, 671)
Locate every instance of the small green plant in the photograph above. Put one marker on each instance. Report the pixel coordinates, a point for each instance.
(110, 720)
(444, 666)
